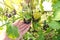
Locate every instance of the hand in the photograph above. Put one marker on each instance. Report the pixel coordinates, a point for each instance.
(22, 28)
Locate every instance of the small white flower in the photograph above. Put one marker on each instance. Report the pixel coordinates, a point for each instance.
(47, 6)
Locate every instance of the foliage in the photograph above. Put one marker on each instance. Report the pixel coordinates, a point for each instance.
(45, 24)
(12, 30)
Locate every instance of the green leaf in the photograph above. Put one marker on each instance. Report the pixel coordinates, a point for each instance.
(28, 36)
(8, 3)
(1, 28)
(27, 15)
(36, 25)
(41, 35)
(58, 31)
(12, 31)
(56, 37)
(54, 25)
(56, 12)
(57, 5)
(1, 9)
(57, 15)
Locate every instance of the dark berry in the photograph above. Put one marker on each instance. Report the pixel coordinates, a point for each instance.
(9, 15)
(14, 12)
(27, 21)
(45, 25)
(34, 31)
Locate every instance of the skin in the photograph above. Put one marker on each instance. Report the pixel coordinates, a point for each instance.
(22, 28)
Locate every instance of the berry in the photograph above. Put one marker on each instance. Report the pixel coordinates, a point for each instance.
(9, 15)
(14, 12)
(27, 21)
